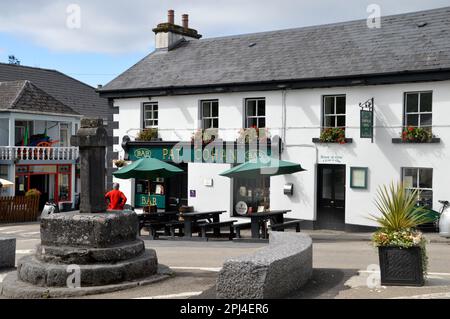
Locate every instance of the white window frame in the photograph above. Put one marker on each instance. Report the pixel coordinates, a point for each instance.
(257, 117)
(417, 187)
(334, 114)
(418, 113)
(154, 120)
(209, 103)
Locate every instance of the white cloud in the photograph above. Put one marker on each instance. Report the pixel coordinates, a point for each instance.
(118, 26)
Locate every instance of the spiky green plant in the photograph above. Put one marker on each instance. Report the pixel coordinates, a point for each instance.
(398, 209)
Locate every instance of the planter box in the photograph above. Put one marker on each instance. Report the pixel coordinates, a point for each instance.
(434, 140)
(318, 141)
(401, 266)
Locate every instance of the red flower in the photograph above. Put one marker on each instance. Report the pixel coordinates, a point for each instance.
(410, 128)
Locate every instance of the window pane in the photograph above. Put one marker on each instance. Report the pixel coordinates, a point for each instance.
(426, 178)
(340, 105)
(425, 102)
(215, 109)
(251, 108)
(412, 120)
(410, 177)
(206, 109)
(207, 123)
(426, 198)
(262, 122)
(329, 105)
(261, 108)
(155, 115)
(330, 121)
(216, 123)
(155, 107)
(251, 122)
(425, 120)
(412, 102)
(340, 121)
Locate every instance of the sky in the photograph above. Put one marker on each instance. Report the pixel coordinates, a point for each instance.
(96, 40)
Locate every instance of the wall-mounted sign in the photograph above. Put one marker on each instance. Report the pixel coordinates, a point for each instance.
(331, 159)
(367, 119)
(358, 177)
(190, 154)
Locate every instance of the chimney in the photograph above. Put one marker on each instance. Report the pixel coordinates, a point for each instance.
(171, 17)
(185, 21)
(169, 34)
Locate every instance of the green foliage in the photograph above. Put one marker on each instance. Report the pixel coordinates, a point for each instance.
(33, 192)
(333, 135)
(398, 208)
(120, 163)
(206, 136)
(416, 134)
(147, 134)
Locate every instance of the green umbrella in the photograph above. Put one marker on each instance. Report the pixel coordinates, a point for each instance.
(147, 168)
(430, 214)
(263, 166)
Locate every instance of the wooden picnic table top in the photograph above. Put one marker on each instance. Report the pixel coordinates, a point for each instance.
(267, 214)
(195, 214)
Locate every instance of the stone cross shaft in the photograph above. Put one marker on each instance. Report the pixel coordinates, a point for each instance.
(92, 140)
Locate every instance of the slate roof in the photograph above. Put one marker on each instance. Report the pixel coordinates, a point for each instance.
(318, 52)
(25, 96)
(80, 97)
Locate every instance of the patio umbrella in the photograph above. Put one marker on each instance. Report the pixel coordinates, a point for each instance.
(263, 166)
(5, 183)
(148, 168)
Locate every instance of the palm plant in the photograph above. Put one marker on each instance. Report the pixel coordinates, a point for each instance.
(398, 209)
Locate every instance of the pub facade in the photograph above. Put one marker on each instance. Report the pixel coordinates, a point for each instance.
(355, 117)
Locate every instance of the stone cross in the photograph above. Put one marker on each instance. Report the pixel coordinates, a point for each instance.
(92, 140)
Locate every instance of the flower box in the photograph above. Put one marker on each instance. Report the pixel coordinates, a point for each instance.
(333, 135)
(401, 266)
(319, 141)
(433, 140)
(416, 135)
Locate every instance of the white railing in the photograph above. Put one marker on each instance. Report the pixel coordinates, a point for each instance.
(28, 153)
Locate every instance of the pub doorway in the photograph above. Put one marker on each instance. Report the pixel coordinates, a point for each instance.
(331, 197)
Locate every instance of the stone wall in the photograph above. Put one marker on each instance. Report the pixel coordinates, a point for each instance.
(272, 272)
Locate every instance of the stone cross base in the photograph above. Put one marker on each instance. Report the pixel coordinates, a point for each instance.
(103, 248)
(7, 252)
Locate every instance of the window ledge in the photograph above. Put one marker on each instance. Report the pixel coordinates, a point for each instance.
(318, 141)
(434, 140)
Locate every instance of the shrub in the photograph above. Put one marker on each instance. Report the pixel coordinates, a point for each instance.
(206, 136)
(253, 134)
(33, 192)
(147, 134)
(120, 163)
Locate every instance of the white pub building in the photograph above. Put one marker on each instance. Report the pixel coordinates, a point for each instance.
(356, 106)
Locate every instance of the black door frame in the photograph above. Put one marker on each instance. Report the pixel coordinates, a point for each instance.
(335, 208)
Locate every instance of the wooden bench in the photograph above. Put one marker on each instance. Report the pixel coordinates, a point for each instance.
(238, 227)
(174, 225)
(287, 224)
(217, 226)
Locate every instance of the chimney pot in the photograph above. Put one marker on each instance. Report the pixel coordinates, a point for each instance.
(185, 20)
(171, 16)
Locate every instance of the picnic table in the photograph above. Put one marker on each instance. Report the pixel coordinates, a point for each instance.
(156, 220)
(191, 218)
(259, 219)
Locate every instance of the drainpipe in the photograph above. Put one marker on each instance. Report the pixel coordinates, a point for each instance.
(283, 116)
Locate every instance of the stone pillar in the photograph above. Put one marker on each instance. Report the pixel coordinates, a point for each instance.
(92, 140)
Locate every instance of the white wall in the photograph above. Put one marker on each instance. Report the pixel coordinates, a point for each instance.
(178, 118)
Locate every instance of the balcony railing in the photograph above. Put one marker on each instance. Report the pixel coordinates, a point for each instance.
(28, 153)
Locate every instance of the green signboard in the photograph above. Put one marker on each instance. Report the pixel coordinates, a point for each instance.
(366, 128)
(189, 154)
(142, 200)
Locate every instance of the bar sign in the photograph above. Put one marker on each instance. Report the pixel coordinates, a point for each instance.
(366, 130)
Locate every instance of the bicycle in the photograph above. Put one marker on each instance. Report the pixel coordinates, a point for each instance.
(444, 219)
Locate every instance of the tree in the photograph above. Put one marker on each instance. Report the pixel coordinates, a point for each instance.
(13, 60)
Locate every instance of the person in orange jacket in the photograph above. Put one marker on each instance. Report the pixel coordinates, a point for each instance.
(116, 198)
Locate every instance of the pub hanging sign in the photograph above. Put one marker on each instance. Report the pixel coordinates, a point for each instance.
(367, 119)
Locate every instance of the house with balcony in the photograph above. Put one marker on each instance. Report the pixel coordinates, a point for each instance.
(40, 109)
(35, 150)
(357, 107)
